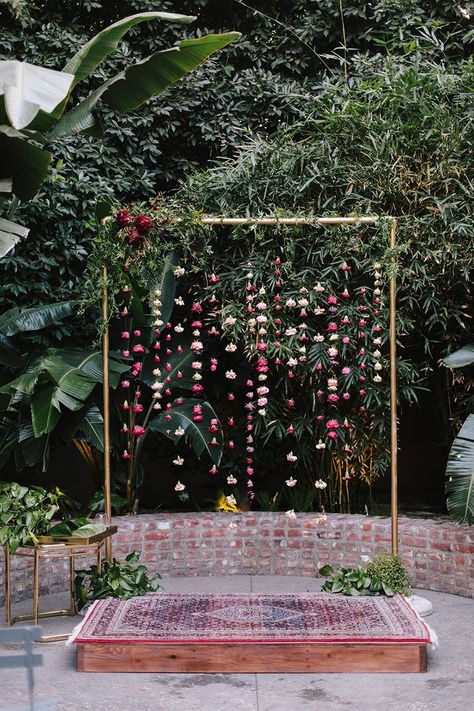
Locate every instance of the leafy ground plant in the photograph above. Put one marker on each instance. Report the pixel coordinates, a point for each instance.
(25, 513)
(114, 579)
(385, 575)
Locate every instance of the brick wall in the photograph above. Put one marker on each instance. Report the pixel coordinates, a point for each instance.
(438, 553)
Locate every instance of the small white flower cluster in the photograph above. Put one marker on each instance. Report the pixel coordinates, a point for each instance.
(157, 386)
(320, 484)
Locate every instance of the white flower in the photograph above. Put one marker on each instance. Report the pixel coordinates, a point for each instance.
(377, 379)
(261, 306)
(196, 346)
(262, 377)
(290, 514)
(377, 265)
(290, 302)
(292, 362)
(318, 311)
(290, 331)
(378, 366)
(262, 331)
(197, 376)
(157, 372)
(179, 432)
(261, 318)
(263, 390)
(231, 500)
(377, 341)
(377, 292)
(179, 486)
(196, 333)
(303, 302)
(318, 287)
(179, 271)
(196, 365)
(157, 292)
(321, 518)
(262, 412)
(291, 457)
(321, 445)
(262, 291)
(252, 322)
(231, 479)
(303, 290)
(179, 301)
(291, 482)
(333, 337)
(377, 354)
(179, 328)
(318, 338)
(332, 352)
(230, 374)
(320, 484)
(157, 395)
(179, 461)
(232, 525)
(158, 322)
(230, 321)
(157, 386)
(157, 406)
(157, 302)
(231, 347)
(303, 326)
(249, 275)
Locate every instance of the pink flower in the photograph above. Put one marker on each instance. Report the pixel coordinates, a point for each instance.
(196, 324)
(250, 471)
(138, 431)
(125, 383)
(197, 418)
(319, 393)
(137, 333)
(125, 334)
(213, 470)
(143, 223)
(137, 408)
(362, 323)
(125, 455)
(179, 349)
(377, 329)
(231, 444)
(168, 367)
(332, 434)
(137, 367)
(213, 279)
(230, 396)
(332, 300)
(291, 403)
(346, 370)
(346, 396)
(346, 339)
(138, 348)
(332, 424)
(249, 384)
(277, 261)
(196, 308)
(333, 398)
(125, 405)
(290, 429)
(332, 326)
(125, 354)
(168, 418)
(362, 393)
(230, 422)
(197, 388)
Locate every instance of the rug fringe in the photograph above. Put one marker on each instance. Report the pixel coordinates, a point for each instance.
(434, 641)
(79, 626)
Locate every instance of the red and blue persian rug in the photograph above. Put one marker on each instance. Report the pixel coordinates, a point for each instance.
(252, 617)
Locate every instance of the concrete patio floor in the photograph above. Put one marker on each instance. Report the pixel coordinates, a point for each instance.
(448, 684)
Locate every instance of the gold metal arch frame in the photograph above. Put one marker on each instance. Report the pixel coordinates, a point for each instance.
(233, 221)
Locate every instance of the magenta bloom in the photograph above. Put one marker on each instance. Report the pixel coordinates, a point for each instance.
(196, 308)
(197, 418)
(332, 424)
(196, 324)
(262, 347)
(346, 396)
(332, 326)
(125, 334)
(249, 471)
(346, 370)
(134, 238)
(125, 383)
(197, 388)
(362, 393)
(124, 218)
(125, 354)
(137, 408)
(137, 367)
(362, 323)
(346, 339)
(290, 429)
(332, 434)
(319, 393)
(138, 348)
(213, 279)
(126, 455)
(137, 333)
(333, 398)
(143, 223)
(332, 300)
(230, 422)
(291, 403)
(138, 431)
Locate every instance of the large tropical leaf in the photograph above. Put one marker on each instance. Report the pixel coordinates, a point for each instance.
(460, 358)
(22, 162)
(35, 318)
(460, 475)
(99, 47)
(90, 362)
(45, 409)
(138, 83)
(10, 235)
(166, 284)
(180, 373)
(93, 427)
(196, 432)
(27, 88)
(153, 75)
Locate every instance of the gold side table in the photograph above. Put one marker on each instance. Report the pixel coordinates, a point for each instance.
(48, 548)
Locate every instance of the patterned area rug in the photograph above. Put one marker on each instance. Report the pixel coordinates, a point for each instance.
(252, 617)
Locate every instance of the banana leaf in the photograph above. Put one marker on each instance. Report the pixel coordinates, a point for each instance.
(15, 321)
(460, 475)
(460, 358)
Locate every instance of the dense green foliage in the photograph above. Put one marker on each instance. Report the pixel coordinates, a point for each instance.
(384, 575)
(25, 513)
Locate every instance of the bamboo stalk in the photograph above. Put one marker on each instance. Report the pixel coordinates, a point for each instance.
(393, 398)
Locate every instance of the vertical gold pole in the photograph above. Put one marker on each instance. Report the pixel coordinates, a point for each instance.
(36, 560)
(105, 370)
(8, 599)
(72, 601)
(393, 397)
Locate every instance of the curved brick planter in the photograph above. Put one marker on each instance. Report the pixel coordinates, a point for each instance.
(438, 553)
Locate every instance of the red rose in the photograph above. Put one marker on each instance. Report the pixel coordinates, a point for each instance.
(124, 218)
(143, 223)
(134, 238)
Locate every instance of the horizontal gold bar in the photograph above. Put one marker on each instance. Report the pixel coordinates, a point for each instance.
(289, 220)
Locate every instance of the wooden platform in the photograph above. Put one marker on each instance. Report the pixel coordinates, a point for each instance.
(251, 658)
